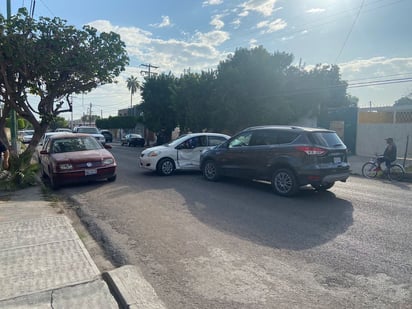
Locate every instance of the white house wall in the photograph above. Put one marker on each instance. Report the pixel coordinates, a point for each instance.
(371, 138)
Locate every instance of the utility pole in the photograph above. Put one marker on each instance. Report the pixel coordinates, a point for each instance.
(148, 71)
(13, 117)
(71, 116)
(90, 114)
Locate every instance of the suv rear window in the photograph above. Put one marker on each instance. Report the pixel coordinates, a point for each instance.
(326, 139)
(273, 137)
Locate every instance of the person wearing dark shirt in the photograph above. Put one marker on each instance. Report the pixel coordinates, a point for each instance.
(5, 156)
(390, 153)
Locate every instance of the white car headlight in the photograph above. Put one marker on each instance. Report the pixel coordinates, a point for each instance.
(108, 161)
(65, 166)
(153, 153)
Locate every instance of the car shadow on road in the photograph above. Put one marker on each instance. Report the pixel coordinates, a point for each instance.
(308, 220)
(250, 210)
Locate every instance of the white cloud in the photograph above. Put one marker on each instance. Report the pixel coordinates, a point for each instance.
(198, 52)
(243, 14)
(164, 23)
(264, 7)
(389, 65)
(213, 38)
(378, 68)
(253, 43)
(236, 23)
(212, 2)
(217, 22)
(315, 10)
(272, 26)
(287, 38)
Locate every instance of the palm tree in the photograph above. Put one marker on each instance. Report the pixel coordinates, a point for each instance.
(132, 85)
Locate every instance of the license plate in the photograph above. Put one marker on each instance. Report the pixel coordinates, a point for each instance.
(90, 172)
(337, 160)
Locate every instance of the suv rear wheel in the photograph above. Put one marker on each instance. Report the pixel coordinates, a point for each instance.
(284, 182)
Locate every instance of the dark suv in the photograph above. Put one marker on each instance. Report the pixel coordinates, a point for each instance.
(287, 156)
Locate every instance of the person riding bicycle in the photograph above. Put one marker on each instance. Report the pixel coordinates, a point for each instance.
(389, 155)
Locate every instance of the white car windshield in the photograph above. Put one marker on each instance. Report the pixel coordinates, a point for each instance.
(177, 141)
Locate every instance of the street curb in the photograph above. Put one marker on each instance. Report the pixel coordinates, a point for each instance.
(131, 290)
(126, 283)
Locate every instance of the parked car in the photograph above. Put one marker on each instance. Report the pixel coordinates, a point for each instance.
(287, 156)
(26, 136)
(181, 154)
(92, 131)
(63, 130)
(43, 141)
(107, 135)
(73, 158)
(133, 140)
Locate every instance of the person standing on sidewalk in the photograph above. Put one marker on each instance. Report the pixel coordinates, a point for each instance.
(5, 156)
(390, 153)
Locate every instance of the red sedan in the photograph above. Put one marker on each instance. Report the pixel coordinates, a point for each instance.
(75, 158)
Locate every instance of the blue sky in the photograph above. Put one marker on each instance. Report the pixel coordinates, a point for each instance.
(371, 40)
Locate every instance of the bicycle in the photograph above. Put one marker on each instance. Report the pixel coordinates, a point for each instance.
(371, 169)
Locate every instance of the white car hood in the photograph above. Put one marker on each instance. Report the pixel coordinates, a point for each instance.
(156, 148)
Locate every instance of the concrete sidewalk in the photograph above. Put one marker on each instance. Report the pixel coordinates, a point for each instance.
(44, 263)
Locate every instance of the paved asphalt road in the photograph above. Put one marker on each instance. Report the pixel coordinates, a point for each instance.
(235, 244)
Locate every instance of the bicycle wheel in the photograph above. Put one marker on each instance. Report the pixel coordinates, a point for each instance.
(396, 172)
(369, 170)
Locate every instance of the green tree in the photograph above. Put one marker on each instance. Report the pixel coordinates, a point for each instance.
(133, 85)
(49, 60)
(404, 101)
(21, 124)
(352, 100)
(251, 87)
(255, 87)
(191, 100)
(158, 109)
(248, 87)
(58, 122)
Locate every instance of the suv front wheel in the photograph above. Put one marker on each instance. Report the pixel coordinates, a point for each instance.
(284, 182)
(210, 171)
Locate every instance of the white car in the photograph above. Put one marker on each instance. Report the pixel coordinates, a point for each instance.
(93, 131)
(27, 136)
(181, 154)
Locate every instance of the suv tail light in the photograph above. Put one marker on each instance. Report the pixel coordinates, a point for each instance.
(312, 151)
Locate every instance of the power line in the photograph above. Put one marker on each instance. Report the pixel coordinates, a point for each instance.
(148, 71)
(384, 76)
(381, 82)
(350, 30)
(329, 19)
